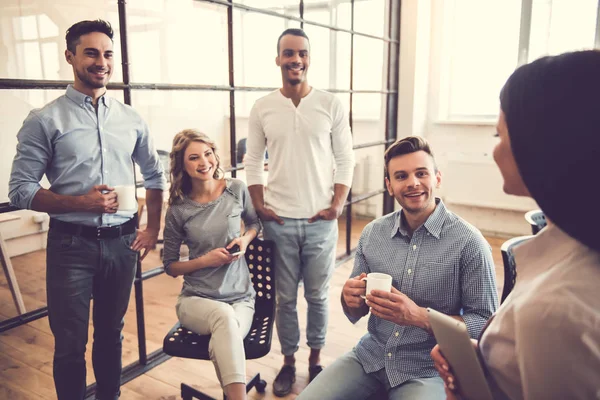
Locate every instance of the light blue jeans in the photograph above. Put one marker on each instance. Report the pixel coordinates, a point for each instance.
(346, 379)
(304, 252)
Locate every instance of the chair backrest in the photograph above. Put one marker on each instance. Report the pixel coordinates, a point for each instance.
(165, 160)
(536, 219)
(259, 257)
(510, 266)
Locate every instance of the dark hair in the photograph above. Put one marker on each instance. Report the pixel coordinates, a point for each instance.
(294, 32)
(410, 144)
(551, 112)
(83, 28)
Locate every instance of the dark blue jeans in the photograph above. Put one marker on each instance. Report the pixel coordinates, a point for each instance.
(78, 268)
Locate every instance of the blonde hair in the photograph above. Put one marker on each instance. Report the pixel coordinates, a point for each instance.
(181, 184)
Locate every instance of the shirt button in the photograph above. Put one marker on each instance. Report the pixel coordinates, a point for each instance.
(104, 150)
(396, 334)
(414, 246)
(409, 271)
(106, 171)
(390, 355)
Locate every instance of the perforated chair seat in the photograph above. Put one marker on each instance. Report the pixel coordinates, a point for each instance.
(181, 342)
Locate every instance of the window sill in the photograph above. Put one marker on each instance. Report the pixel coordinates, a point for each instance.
(467, 122)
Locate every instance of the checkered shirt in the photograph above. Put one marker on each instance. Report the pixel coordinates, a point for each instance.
(446, 265)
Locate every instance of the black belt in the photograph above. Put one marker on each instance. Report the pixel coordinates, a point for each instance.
(94, 232)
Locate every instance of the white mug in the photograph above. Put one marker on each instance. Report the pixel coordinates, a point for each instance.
(126, 197)
(377, 281)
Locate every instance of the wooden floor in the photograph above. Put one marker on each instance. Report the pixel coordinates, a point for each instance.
(26, 351)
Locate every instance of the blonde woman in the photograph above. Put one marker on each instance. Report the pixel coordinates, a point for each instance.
(206, 211)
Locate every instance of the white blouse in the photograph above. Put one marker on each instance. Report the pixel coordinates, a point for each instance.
(544, 342)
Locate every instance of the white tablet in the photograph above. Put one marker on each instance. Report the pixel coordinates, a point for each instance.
(456, 345)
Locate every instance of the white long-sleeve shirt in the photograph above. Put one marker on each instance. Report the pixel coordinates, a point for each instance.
(310, 150)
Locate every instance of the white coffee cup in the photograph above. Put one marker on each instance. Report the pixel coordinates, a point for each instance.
(377, 281)
(126, 197)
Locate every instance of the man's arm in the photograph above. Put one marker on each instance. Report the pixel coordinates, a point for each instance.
(352, 303)
(340, 193)
(479, 296)
(95, 201)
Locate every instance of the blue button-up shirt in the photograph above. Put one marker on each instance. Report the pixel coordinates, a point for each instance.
(446, 264)
(77, 148)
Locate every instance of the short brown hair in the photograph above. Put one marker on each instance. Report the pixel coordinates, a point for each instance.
(410, 144)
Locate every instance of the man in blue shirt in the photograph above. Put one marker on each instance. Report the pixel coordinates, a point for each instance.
(436, 260)
(84, 142)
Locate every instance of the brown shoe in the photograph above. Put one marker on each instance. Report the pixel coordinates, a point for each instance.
(282, 385)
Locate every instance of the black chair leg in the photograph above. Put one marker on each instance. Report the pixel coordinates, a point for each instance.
(189, 393)
(256, 382)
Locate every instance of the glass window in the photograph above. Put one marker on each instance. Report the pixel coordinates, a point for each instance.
(369, 56)
(286, 7)
(169, 112)
(186, 42)
(255, 49)
(369, 17)
(553, 30)
(32, 44)
(479, 64)
(368, 106)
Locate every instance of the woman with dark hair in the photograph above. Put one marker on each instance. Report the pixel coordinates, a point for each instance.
(544, 341)
(206, 211)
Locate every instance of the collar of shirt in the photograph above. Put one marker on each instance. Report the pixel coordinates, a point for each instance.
(81, 99)
(433, 224)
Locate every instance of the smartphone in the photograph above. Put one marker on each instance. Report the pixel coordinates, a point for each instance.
(235, 250)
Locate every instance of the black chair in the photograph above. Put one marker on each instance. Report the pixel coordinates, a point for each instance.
(536, 219)
(510, 267)
(181, 342)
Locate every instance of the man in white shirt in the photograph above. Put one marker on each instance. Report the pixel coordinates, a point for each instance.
(307, 134)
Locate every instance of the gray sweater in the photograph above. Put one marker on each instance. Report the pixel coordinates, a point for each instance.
(204, 227)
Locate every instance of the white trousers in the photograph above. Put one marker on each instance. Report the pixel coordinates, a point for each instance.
(228, 324)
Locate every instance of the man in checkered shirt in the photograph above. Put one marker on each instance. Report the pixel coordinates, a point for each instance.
(436, 260)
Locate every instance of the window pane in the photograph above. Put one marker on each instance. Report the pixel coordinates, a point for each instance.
(341, 61)
(320, 56)
(287, 7)
(368, 106)
(363, 212)
(169, 112)
(369, 17)
(255, 49)
(553, 30)
(22, 37)
(369, 55)
(171, 46)
(368, 177)
(479, 64)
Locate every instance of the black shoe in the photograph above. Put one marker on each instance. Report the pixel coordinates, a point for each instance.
(286, 377)
(313, 371)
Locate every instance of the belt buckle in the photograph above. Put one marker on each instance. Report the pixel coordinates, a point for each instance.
(98, 232)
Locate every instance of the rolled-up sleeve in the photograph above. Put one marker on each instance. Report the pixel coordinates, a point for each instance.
(360, 263)
(173, 238)
(479, 297)
(34, 152)
(255, 149)
(147, 158)
(341, 141)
